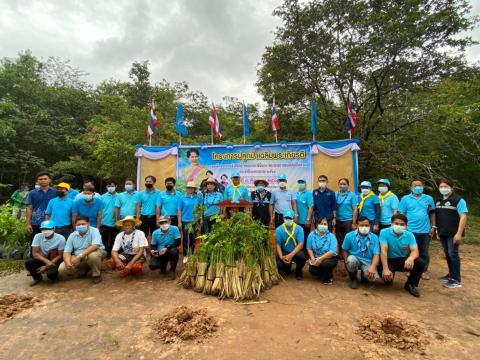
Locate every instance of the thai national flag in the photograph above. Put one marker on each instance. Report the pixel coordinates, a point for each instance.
(153, 123)
(352, 118)
(275, 120)
(214, 122)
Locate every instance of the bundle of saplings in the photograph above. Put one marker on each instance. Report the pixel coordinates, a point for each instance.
(235, 260)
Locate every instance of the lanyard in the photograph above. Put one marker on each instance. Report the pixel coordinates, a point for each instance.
(362, 248)
(343, 196)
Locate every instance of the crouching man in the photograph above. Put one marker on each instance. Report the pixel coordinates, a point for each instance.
(165, 242)
(361, 249)
(47, 252)
(128, 251)
(84, 252)
(400, 253)
(289, 238)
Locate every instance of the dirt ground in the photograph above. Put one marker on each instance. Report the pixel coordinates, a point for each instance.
(302, 319)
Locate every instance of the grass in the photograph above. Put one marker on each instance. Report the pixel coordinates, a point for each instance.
(472, 233)
(8, 267)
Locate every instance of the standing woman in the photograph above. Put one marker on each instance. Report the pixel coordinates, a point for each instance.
(322, 252)
(451, 218)
(210, 200)
(347, 210)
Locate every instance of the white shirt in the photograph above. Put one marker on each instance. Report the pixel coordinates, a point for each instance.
(130, 243)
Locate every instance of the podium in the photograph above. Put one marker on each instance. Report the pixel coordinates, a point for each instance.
(228, 207)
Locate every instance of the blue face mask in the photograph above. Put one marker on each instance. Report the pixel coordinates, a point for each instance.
(128, 187)
(111, 189)
(288, 222)
(87, 197)
(260, 188)
(82, 229)
(417, 190)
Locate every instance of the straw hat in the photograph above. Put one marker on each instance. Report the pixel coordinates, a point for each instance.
(191, 184)
(211, 180)
(128, 218)
(256, 182)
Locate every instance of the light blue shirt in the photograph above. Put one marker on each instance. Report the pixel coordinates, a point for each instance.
(60, 211)
(210, 201)
(47, 245)
(147, 201)
(416, 210)
(168, 202)
(162, 240)
(304, 201)
(187, 205)
(389, 205)
(72, 193)
(362, 247)
(76, 244)
(126, 203)
(321, 244)
(235, 195)
(345, 204)
(398, 246)
(81, 208)
(281, 238)
(282, 200)
(108, 210)
(368, 209)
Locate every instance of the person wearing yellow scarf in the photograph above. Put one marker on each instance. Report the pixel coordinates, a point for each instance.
(369, 205)
(388, 202)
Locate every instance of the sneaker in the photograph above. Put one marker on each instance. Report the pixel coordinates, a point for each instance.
(96, 279)
(354, 284)
(452, 284)
(425, 276)
(328, 282)
(445, 278)
(412, 290)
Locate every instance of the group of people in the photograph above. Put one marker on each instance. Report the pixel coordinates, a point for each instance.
(375, 234)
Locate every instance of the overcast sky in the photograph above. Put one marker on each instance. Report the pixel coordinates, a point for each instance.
(214, 45)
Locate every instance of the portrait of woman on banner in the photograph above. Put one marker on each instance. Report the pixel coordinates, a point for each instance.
(194, 171)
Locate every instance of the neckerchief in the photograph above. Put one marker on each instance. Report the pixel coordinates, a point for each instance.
(343, 196)
(362, 248)
(362, 202)
(290, 235)
(259, 197)
(128, 245)
(236, 190)
(384, 197)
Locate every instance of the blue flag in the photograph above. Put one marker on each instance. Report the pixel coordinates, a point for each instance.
(246, 128)
(313, 124)
(180, 121)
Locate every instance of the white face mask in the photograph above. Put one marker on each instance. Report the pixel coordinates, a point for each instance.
(365, 191)
(165, 227)
(322, 184)
(37, 186)
(445, 190)
(282, 184)
(382, 189)
(47, 233)
(364, 230)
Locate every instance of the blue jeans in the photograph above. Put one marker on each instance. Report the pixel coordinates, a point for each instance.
(423, 242)
(188, 239)
(451, 254)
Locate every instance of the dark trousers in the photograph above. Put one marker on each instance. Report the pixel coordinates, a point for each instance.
(299, 259)
(208, 222)
(451, 254)
(278, 219)
(188, 239)
(173, 220)
(35, 230)
(160, 262)
(149, 224)
(32, 265)
(382, 226)
(65, 231)
(325, 270)
(306, 232)
(398, 264)
(423, 242)
(109, 233)
(342, 228)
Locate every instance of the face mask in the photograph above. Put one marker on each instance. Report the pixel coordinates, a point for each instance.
(128, 187)
(301, 187)
(398, 229)
(88, 197)
(322, 184)
(383, 189)
(47, 233)
(111, 189)
(149, 186)
(282, 184)
(60, 194)
(343, 188)
(364, 230)
(418, 190)
(165, 227)
(82, 229)
(365, 191)
(445, 191)
(37, 186)
(260, 188)
(322, 228)
(169, 187)
(288, 222)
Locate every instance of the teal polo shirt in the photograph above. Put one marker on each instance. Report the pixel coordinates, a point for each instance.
(321, 244)
(126, 203)
(368, 209)
(147, 201)
(76, 244)
(304, 200)
(281, 238)
(210, 201)
(362, 247)
(398, 246)
(389, 205)
(187, 205)
(162, 239)
(416, 210)
(345, 204)
(168, 202)
(235, 195)
(60, 211)
(108, 210)
(81, 208)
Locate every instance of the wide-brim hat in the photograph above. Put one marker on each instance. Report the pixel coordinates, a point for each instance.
(256, 182)
(211, 180)
(131, 218)
(191, 184)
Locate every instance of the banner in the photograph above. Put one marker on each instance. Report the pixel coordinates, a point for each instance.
(252, 162)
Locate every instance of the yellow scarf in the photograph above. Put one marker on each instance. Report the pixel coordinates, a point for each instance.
(290, 235)
(235, 190)
(362, 202)
(384, 197)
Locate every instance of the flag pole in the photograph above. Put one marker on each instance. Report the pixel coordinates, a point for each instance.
(276, 136)
(179, 139)
(150, 140)
(211, 135)
(243, 121)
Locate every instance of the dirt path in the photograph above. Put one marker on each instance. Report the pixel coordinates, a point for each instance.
(303, 319)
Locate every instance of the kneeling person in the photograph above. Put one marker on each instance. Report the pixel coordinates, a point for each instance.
(361, 249)
(289, 238)
(47, 252)
(128, 251)
(322, 251)
(400, 253)
(165, 242)
(83, 253)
